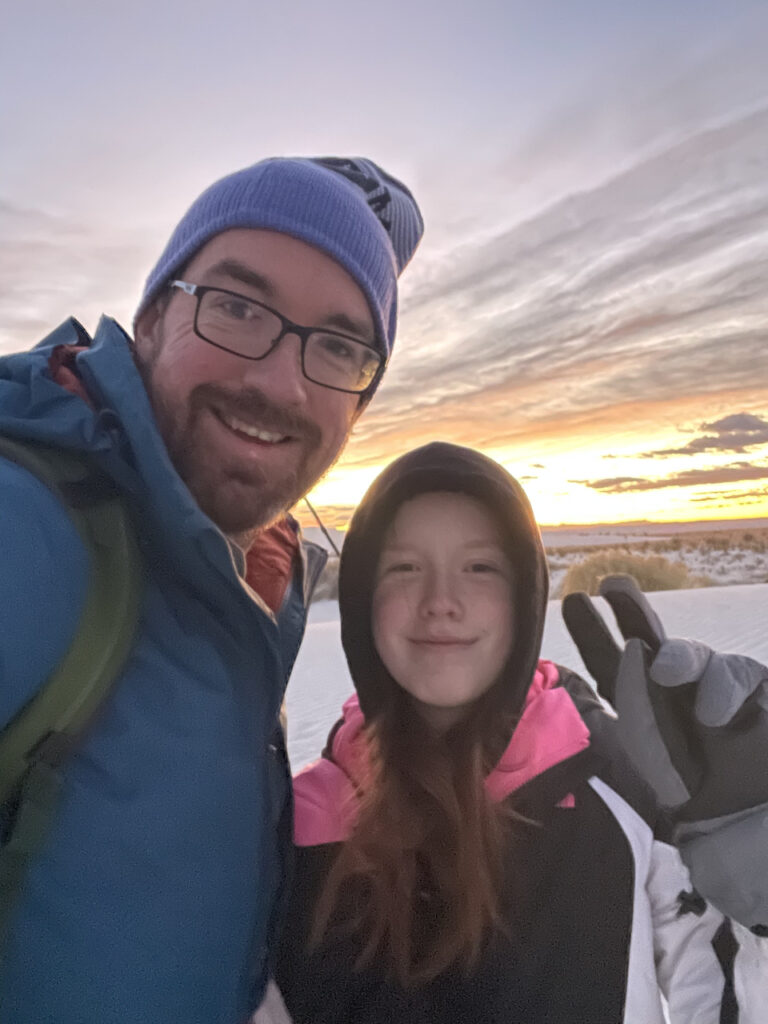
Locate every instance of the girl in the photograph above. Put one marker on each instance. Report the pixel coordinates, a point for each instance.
(460, 854)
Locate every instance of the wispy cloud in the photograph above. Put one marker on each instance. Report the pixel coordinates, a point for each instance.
(51, 267)
(641, 292)
(650, 287)
(687, 478)
(736, 434)
(729, 498)
(333, 516)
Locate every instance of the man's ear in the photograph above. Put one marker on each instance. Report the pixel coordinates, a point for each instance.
(148, 328)
(362, 405)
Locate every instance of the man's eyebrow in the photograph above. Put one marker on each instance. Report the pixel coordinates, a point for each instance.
(348, 325)
(239, 272)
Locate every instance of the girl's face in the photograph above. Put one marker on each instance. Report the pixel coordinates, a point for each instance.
(442, 604)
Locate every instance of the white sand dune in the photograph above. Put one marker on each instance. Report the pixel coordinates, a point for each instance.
(732, 619)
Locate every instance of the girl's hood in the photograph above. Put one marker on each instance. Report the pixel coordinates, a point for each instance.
(442, 467)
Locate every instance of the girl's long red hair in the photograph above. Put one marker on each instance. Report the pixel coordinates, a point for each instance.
(425, 859)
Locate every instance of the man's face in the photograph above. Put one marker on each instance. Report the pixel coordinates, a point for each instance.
(250, 438)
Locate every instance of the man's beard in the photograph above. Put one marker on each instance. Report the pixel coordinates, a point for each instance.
(241, 501)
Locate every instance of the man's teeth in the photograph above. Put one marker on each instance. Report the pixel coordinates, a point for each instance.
(251, 431)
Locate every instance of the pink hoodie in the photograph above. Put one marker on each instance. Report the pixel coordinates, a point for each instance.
(550, 730)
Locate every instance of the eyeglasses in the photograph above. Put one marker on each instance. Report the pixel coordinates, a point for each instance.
(252, 330)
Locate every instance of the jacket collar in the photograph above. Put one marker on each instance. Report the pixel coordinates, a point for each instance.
(550, 730)
(110, 418)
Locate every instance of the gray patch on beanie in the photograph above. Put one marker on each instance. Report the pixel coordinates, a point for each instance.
(388, 199)
(350, 209)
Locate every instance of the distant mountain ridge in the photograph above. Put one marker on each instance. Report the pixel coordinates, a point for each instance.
(594, 534)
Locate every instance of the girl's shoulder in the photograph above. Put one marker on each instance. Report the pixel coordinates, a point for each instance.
(324, 804)
(325, 793)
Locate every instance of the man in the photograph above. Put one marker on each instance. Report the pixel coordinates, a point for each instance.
(263, 331)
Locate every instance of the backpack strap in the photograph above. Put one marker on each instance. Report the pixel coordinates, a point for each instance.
(45, 730)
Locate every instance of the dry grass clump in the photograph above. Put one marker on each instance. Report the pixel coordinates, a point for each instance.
(652, 572)
(715, 541)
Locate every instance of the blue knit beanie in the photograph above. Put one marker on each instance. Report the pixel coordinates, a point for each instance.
(349, 208)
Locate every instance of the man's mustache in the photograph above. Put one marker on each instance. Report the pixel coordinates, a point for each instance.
(249, 404)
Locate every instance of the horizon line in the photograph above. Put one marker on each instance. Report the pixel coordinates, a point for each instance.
(331, 512)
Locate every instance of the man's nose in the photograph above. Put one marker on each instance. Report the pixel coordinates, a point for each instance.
(279, 375)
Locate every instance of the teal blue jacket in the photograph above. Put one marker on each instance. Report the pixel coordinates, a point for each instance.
(154, 896)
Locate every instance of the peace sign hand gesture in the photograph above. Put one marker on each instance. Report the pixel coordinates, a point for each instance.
(695, 725)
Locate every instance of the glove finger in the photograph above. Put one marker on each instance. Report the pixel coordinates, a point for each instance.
(599, 651)
(633, 612)
(651, 734)
(728, 683)
(679, 662)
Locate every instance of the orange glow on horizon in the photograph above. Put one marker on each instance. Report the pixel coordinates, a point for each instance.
(555, 457)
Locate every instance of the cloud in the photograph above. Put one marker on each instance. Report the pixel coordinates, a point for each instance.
(738, 421)
(644, 291)
(735, 434)
(647, 288)
(52, 267)
(333, 516)
(725, 498)
(686, 478)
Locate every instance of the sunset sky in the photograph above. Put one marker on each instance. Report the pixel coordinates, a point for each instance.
(590, 302)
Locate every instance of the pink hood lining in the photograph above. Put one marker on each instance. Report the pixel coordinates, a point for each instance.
(550, 730)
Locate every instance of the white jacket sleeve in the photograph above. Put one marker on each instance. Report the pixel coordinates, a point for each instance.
(751, 975)
(693, 945)
(709, 971)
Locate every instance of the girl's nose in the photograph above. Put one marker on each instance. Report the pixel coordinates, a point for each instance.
(440, 597)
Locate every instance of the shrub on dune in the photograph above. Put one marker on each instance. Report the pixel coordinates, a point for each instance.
(652, 572)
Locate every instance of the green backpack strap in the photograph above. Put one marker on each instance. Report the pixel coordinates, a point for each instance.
(36, 741)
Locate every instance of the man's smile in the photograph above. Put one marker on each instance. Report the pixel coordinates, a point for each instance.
(253, 431)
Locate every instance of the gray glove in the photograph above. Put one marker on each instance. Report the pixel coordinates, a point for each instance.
(727, 683)
(695, 725)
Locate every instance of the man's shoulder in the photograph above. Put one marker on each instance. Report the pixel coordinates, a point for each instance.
(44, 571)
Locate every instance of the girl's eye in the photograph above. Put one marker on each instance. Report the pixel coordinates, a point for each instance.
(484, 567)
(401, 568)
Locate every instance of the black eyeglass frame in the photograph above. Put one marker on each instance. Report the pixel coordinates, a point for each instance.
(197, 291)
